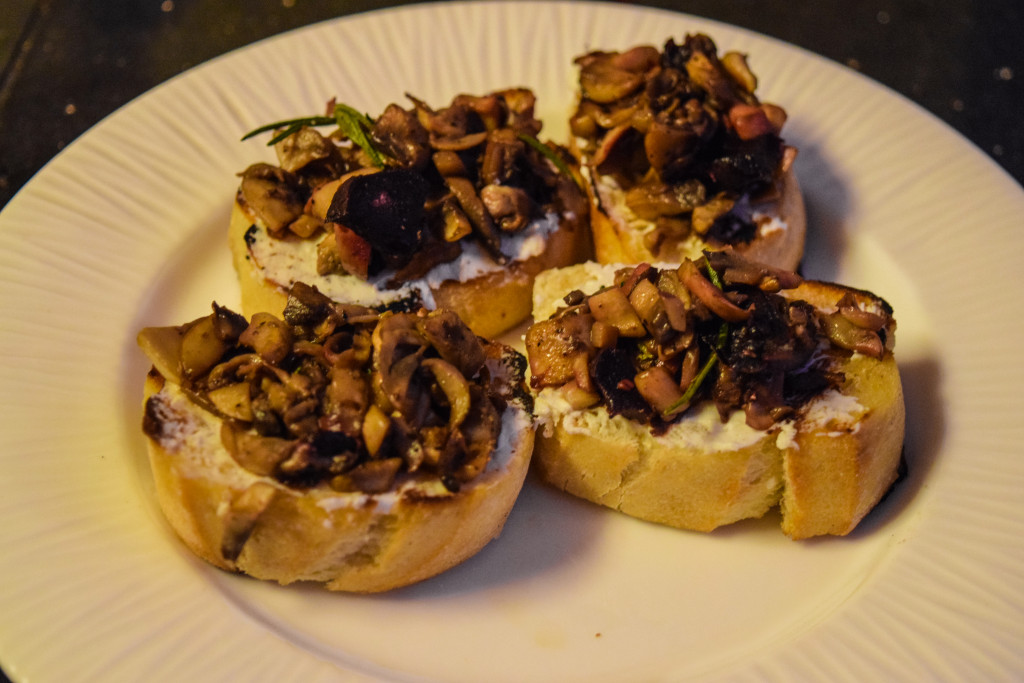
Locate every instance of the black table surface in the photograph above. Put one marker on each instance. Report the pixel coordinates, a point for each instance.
(66, 64)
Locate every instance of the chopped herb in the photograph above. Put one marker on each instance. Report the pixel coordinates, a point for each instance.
(713, 275)
(691, 391)
(355, 127)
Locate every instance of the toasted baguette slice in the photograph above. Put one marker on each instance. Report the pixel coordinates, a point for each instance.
(825, 467)
(248, 518)
(681, 157)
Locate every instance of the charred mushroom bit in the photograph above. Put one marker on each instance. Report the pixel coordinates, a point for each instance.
(719, 329)
(404, 192)
(341, 394)
(683, 135)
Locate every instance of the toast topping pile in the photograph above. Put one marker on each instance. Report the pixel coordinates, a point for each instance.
(406, 191)
(684, 137)
(720, 328)
(340, 393)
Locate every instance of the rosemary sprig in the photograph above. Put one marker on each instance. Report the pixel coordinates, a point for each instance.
(290, 126)
(352, 123)
(691, 390)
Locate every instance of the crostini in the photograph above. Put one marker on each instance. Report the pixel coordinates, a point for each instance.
(339, 445)
(681, 156)
(702, 394)
(455, 208)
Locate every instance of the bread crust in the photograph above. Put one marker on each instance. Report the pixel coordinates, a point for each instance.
(825, 469)
(353, 542)
(617, 241)
(491, 303)
(627, 469)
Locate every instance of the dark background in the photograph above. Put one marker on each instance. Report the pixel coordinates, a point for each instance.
(66, 64)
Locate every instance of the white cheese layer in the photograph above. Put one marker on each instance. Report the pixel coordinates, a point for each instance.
(767, 222)
(699, 429)
(192, 433)
(287, 261)
(834, 413)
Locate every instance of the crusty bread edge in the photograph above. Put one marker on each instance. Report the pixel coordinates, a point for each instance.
(349, 542)
(627, 469)
(825, 479)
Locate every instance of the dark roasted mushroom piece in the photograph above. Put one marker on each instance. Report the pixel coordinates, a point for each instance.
(387, 210)
(309, 153)
(273, 194)
(614, 373)
(402, 137)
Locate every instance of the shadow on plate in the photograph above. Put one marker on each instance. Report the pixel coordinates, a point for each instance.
(546, 530)
(828, 203)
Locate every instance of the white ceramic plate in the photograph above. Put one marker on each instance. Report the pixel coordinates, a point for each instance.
(127, 228)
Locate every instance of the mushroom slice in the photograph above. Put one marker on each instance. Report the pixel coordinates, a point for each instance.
(449, 163)
(201, 348)
(735, 63)
(858, 316)
(478, 216)
(243, 513)
(558, 348)
(647, 302)
(401, 136)
(233, 400)
(255, 453)
(456, 224)
(162, 346)
(736, 269)
(709, 295)
(848, 335)
(606, 77)
(273, 195)
(612, 307)
(305, 147)
(460, 144)
(508, 206)
(346, 400)
(376, 425)
(454, 386)
(504, 149)
(269, 337)
(660, 389)
(456, 343)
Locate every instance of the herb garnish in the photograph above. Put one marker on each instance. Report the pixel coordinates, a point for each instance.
(352, 123)
(723, 336)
